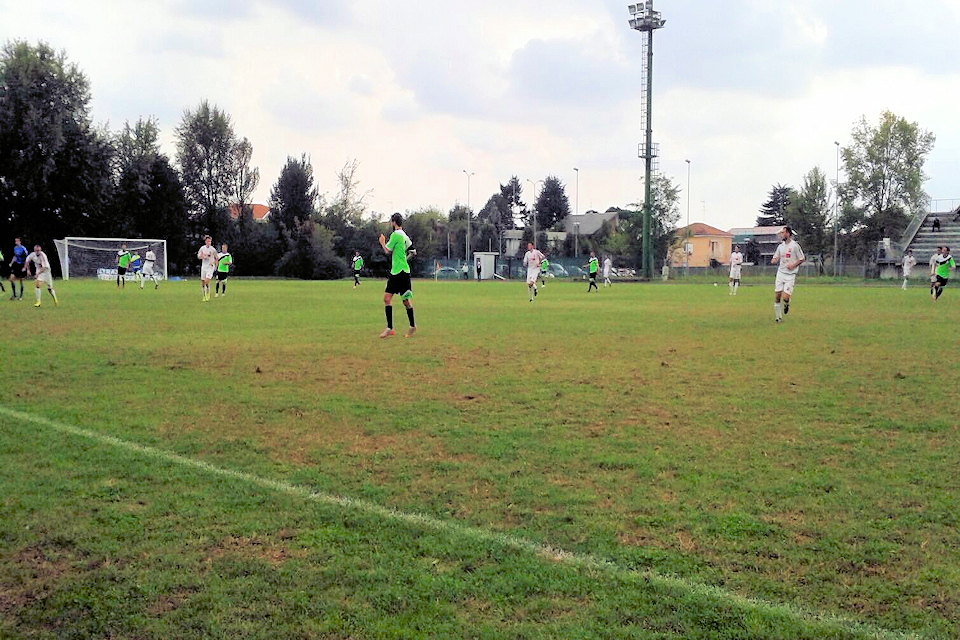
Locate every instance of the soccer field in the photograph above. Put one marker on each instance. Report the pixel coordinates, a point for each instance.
(649, 461)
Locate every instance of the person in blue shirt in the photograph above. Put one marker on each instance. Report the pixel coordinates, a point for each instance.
(17, 264)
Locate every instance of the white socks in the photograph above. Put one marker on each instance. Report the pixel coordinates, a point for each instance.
(37, 289)
(904, 284)
(736, 287)
(777, 311)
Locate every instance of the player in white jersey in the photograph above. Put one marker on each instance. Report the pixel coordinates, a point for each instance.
(736, 261)
(909, 262)
(933, 268)
(607, 269)
(41, 268)
(531, 261)
(149, 261)
(789, 256)
(208, 265)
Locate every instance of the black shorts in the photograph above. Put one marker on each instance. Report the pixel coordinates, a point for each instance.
(4, 269)
(222, 275)
(942, 281)
(593, 277)
(399, 283)
(17, 271)
(121, 271)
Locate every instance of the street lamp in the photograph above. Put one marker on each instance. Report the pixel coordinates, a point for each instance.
(534, 209)
(686, 260)
(467, 248)
(576, 240)
(577, 212)
(836, 210)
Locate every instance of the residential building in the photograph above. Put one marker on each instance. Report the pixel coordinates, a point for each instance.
(703, 245)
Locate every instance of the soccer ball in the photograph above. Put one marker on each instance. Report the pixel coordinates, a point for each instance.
(715, 284)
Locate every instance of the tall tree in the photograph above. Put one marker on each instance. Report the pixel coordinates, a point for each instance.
(205, 153)
(809, 212)
(512, 192)
(774, 209)
(293, 204)
(665, 215)
(55, 176)
(552, 205)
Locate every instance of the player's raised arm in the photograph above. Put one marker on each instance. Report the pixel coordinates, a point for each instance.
(383, 243)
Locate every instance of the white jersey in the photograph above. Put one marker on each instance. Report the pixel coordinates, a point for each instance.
(607, 267)
(208, 256)
(908, 263)
(789, 252)
(933, 263)
(532, 260)
(150, 258)
(40, 263)
(736, 260)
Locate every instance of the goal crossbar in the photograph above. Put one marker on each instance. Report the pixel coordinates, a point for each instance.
(104, 267)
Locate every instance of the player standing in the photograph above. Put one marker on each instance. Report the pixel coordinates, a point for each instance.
(224, 263)
(736, 261)
(532, 261)
(607, 270)
(544, 269)
(593, 265)
(789, 256)
(43, 275)
(207, 256)
(4, 272)
(945, 264)
(399, 281)
(909, 262)
(357, 265)
(123, 261)
(933, 268)
(149, 260)
(16, 268)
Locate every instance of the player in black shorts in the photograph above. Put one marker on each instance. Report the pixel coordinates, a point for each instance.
(17, 264)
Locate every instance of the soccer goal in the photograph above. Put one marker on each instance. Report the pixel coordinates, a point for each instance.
(97, 257)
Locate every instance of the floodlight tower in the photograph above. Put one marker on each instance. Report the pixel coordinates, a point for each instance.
(644, 19)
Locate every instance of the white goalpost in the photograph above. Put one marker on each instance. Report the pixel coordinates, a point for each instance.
(97, 257)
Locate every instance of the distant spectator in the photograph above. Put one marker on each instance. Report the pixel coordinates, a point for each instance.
(936, 225)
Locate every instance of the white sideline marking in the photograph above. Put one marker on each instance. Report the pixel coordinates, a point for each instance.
(556, 554)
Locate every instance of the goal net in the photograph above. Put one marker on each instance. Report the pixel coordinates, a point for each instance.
(97, 257)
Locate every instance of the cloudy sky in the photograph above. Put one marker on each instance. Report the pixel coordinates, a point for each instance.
(753, 92)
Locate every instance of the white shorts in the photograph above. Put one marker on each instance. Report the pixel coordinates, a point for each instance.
(785, 283)
(148, 269)
(45, 278)
(735, 274)
(206, 273)
(533, 273)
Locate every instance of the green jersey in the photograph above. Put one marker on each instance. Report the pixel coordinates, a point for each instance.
(594, 265)
(224, 260)
(123, 258)
(944, 264)
(357, 263)
(397, 245)
(544, 265)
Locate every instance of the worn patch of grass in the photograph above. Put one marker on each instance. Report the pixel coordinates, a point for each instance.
(667, 429)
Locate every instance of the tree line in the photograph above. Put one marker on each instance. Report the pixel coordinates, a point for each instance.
(62, 175)
(883, 166)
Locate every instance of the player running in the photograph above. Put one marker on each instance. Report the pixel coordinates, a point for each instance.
(149, 260)
(399, 281)
(544, 269)
(945, 265)
(207, 256)
(136, 266)
(789, 256)
(607, 270)
(909, 262)
(532, 261)
(593, 265)
(17, 263)
(736, 261)
(357, 265)
(224, 263)
(43, 274)
(123, 261)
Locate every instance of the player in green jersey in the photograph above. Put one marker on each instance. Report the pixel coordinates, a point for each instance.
(594, 266)
(123, 261)
(398, 247)
(357, 265)
(224, 262)
(544, 267)
(945, 264)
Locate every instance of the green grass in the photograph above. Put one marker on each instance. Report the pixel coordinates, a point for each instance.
(714, 474)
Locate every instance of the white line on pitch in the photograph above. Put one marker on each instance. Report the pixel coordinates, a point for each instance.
(587, 561)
